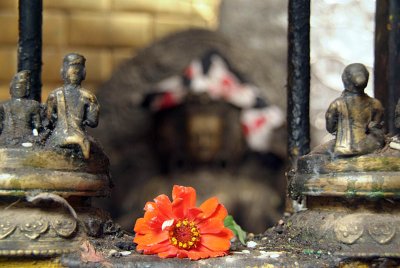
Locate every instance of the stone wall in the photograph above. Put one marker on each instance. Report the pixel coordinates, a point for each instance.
(105, 31)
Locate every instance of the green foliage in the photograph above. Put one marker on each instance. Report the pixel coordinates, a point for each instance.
(230, 223)
(312, 252)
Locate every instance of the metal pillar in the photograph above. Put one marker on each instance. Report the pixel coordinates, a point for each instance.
(298, 80)
(387, 58)
(30, 43)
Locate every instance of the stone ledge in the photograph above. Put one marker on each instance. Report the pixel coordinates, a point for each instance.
(235, 259)
(261, 259)
(277, 247)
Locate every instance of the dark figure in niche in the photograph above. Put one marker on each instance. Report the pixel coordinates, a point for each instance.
(354, 117)
(20, 117)
(70, 108)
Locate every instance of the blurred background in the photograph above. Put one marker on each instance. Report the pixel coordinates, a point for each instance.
(132, 46)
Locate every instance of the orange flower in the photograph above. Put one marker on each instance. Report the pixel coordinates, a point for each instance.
(179, 229)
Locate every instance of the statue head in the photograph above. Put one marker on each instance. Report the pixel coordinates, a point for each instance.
(20, 84)
(73, 70)
(355, 77)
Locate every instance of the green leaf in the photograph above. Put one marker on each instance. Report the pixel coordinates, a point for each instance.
(230, 223)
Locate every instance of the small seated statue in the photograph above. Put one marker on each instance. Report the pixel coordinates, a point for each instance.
(354, 117)
(70, 108)
(20, 116)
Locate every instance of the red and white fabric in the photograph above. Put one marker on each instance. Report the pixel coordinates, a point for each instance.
(221, 83)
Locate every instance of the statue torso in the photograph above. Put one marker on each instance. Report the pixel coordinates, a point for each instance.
(18, 117)
(354, 112)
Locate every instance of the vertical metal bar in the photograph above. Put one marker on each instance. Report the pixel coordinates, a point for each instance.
(298, 80)
(30, 43)
(387, 58)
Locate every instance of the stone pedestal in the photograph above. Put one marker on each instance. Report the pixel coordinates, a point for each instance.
(352, 202)
(45, 200)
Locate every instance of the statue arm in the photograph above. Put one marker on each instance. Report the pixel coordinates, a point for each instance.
(331, 118)
(92, 112)
(377, 115)
(36, 120)
(51, 112)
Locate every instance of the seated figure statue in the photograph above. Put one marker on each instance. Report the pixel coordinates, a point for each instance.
(20, 117)
(354, 117)
(70, 108)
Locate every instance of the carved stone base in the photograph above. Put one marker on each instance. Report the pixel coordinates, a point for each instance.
(367, 230)
(373, 176)
(26, 230)
(25, 171)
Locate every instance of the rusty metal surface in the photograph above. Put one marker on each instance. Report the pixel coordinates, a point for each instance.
(30, 43)
(298, 81)
(371, 185)
(387, 59)
(374, 175)
(323, 164)
(33, 169)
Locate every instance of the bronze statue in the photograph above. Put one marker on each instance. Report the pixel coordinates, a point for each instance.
(352, 202)
(355, 118)
(20, 117)
(44, 208)
(70, 108)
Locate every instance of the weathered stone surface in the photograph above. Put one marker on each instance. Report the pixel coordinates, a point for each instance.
(126, 134)
(280, 246)
(259, 30)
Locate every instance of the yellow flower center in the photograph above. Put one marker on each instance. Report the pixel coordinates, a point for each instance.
(184, 235)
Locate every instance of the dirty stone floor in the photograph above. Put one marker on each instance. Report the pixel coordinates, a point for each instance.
(277, 247)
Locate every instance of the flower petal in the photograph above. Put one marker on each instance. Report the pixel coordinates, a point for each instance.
(193, 213)
(162, 247)
(151, 211)
(209, 206)
(167, 224)
(214, 242)
(156, 213)
(150, 206)
(188, 196)
(211, 226)
(164, 205)
(219, 213)
(182, 254)
(202, 252)
(195, 255)
(178, 208)
(168, 254)
(141, 226)
(151, 238)
(154, 221)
